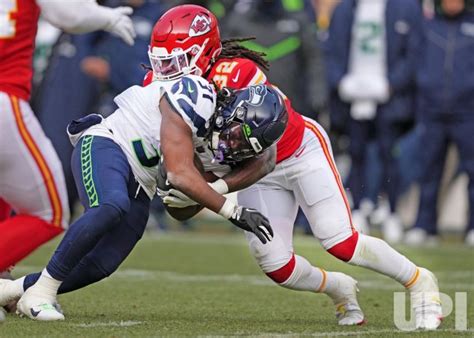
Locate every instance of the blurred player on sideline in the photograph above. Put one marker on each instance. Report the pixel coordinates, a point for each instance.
(31, 176)
(185, 40)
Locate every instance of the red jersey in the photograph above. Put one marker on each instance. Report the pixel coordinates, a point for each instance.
(18, 25)
(240, 73)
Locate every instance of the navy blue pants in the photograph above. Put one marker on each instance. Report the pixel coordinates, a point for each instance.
(385, 134)
(435, 138)
(113, 222)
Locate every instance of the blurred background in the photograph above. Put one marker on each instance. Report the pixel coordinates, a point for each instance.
(395, 91)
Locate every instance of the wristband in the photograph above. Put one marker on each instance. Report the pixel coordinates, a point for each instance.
(220, 186)
(227, 209)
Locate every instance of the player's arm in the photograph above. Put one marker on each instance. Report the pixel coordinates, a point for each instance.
(83, 16)
(242, 176)
(178, 151)
(250, 171)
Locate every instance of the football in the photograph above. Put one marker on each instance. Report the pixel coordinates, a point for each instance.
(182, 214)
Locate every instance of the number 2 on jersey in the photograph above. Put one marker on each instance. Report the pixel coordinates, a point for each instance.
(223, 71)
(7, 24)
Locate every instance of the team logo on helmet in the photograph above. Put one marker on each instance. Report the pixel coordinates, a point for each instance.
(256, 95)
(200, 26)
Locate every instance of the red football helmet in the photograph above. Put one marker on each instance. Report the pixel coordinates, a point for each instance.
(184, 41)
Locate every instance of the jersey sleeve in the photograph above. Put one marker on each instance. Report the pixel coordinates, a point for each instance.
(148, 78)
(79, 16)
(194, 99)
(238, 73)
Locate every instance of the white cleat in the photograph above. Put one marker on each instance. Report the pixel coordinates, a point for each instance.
(425, 301)
(419, 237)
(348, 311)
(37, 307)
(470, 238)
(392, 229)
(8, 292)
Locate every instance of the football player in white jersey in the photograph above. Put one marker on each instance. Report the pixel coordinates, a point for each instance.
(115, 166)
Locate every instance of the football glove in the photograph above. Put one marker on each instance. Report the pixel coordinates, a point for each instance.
(253, 221)
(121, 25)
(176, 199)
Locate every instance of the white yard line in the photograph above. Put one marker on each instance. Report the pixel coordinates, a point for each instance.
(374, 284)
(110, 324)
(359, 333)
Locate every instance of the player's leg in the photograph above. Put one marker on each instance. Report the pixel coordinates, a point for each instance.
(109, 253)
(461, 133)
(101, 262)
(5, 210)
(31, 182)
(330, 219)
(102, 174)
(277, 258)
(434, 141)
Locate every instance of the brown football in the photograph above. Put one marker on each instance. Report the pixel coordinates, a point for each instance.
(182, 214)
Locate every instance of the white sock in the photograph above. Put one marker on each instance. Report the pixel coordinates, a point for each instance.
(17, 287)
(305, 277)
(377, 255)
(14, 290)
(332, 283)
(46, 286)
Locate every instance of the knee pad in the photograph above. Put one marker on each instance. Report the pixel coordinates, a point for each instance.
(345, 249)
(283, 274)
(272, 256)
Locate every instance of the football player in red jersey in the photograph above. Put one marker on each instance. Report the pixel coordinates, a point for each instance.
(186, 40)
(31, 176)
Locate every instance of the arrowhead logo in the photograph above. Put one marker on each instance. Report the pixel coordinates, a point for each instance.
(200, 26)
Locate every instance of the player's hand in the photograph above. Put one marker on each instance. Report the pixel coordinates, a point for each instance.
(162, 193)
(253, 221)
(121, 24)
(177, 199)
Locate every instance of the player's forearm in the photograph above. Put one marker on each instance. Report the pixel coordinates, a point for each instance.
(251, 171)
(190, 182)
(76, 16)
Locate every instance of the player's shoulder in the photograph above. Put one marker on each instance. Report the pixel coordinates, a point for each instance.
(237, 73)
(194, 98)
(195, 88)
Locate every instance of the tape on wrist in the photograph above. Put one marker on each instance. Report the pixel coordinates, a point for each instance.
(227, 209)
(220, 186)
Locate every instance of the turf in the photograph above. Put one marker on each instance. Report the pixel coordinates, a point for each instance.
(199, 284)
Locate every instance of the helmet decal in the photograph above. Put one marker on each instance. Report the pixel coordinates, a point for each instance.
(200, 26)
(247, 130)
(257, 95)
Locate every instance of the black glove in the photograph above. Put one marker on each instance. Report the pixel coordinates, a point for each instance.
(253, 221)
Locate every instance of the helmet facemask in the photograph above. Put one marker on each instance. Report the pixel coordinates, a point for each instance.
(234, 143)
(170, 66)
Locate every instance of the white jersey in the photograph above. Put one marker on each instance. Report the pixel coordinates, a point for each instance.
(136, 124)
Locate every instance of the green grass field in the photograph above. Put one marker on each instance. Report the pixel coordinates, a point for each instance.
(197, 284)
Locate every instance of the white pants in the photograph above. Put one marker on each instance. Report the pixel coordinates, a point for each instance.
(308, 179)
(31, 176)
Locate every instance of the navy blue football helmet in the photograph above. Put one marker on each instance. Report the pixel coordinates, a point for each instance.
(247, 122)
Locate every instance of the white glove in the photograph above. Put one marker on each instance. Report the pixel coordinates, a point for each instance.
(176, 199)
(162, 193)
(121, 24)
